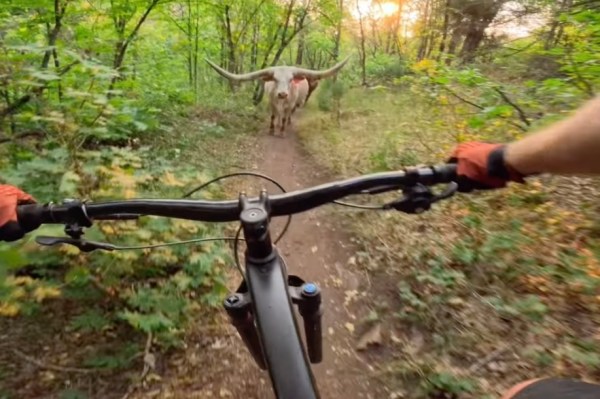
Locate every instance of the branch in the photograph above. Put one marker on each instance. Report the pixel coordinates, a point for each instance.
(149, 365)
(53, 34)
(12, 108)
(464, 100)
(181, 28)
(135, 30)
(52, 367)
(487, 359)
(519, 110)
(587, 87)
(471, 103)
(23, 135)
(516, 51)
(247, 21)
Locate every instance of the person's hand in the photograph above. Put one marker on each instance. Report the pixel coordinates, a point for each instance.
(10, 197)
(481, 166)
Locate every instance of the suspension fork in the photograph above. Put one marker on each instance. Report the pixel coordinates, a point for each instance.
(261, 309)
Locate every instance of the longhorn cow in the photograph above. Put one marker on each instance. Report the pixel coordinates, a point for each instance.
(287, 88)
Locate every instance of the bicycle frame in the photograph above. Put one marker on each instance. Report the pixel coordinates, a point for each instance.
(280, 347)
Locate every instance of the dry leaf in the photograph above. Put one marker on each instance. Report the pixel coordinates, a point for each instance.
(349, 327)
(371, 337)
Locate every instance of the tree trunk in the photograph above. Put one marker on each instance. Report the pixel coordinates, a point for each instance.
(362, 50)
(479, 16)
(425, 31)
(123, 43)
(336, 55)
(300, 48)
(565, 7)
(442, 47)
(285, 40)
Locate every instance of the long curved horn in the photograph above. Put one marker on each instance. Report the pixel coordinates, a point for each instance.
(261, 74)
(311, 74)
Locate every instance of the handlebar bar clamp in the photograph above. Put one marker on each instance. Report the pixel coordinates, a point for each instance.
(77, 218)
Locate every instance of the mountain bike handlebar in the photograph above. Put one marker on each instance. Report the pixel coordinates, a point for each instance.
(227, 211)
(262, 307)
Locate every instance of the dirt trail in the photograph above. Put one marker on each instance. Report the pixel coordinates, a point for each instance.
(317, 251)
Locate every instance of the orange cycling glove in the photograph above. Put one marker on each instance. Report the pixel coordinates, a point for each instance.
(10, 197)
(482, 166)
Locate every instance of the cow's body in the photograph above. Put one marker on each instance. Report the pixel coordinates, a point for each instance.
(286, 87)
(283, 108)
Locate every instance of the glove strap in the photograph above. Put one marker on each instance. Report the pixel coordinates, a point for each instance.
(498, 168)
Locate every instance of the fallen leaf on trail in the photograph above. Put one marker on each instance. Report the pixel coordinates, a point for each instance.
(350, 295)
(349, 327)
(336, 282)
(456, 301)
(415, 343)
(371, 337)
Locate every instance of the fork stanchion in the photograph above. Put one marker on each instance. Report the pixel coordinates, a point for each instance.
(239, 309)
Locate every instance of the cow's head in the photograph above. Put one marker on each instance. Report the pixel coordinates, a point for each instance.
(282, 76)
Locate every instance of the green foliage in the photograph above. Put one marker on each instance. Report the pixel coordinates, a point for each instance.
(113, 359)
(329, 92)
(385, 68)
(72, 394)
(109, 173)
(388, 155)
(444, 384)
(90, 320)
(531, 307)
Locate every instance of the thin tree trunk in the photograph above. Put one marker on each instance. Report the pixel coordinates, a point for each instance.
(300, 48)
(336, 54)
(442, 47)
(363, 54)
(479, 18)
(425, 34)
(123, 44)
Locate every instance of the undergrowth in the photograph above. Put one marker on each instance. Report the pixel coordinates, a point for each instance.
(510, 276)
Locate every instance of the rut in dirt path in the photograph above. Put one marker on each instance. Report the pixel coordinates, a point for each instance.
(317, 251)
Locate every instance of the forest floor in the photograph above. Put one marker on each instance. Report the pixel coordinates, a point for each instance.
(462, 301)
(214, 361)
(316, 248)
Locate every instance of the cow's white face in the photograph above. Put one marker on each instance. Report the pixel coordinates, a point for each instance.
(283, 79)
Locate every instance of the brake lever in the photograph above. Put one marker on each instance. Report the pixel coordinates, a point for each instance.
(419, 198)
(83, 245)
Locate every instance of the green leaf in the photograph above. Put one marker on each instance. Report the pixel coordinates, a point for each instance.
(11, 258)
(71, 393)
(69, 183)
(154, 322)
(476, 122)
(45, 76)
(92, 320)
(498, 111)
(141, 126)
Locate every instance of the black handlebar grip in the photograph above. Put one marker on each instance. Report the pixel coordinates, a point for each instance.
(31, 216)
(445, 173)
